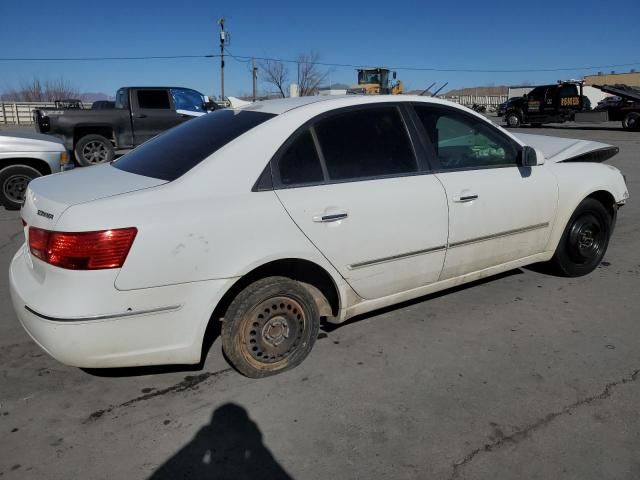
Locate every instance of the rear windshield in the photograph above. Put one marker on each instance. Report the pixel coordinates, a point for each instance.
(170, 155)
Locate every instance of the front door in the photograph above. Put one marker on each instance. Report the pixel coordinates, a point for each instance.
(351, 183)
(498, 211)
(153, 113)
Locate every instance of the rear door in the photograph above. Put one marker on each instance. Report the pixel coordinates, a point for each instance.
(352, 182)
(153, 112)
(498, 211)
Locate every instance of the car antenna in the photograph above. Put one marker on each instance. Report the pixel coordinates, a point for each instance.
(438, 91)
(426, 89)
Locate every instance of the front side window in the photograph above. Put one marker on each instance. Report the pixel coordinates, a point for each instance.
(460, 141)
(155, 99)
(185, 99)
(176, 151)
(371, 142)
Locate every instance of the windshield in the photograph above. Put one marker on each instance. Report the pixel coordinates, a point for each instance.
(173, 153)
(373, 76)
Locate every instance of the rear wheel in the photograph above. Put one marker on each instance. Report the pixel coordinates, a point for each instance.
(584, 241)
(14, 180)
(513, 119)
(93, 150)
(270, 327)
(631, 121)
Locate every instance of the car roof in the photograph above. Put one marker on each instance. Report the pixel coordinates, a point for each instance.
(283, 105)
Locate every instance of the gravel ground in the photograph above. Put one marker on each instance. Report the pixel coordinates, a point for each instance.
(519, 376)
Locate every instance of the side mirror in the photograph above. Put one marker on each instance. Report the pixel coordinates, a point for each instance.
(530, 157)
(394, 75)
(209, 106)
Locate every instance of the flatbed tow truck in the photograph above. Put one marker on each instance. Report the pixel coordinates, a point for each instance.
(565, 101)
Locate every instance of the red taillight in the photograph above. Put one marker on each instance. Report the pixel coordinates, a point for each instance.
(82, 250)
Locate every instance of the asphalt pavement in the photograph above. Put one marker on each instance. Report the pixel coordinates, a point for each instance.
(520, 376)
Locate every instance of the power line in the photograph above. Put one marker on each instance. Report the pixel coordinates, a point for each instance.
(247, 58)
(92, 59)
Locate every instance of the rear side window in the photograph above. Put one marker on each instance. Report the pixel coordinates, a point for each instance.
(371, 142)
(156, 99)
(171, 154)
(300, 163)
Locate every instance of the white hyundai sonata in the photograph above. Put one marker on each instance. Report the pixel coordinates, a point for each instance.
(273, 216)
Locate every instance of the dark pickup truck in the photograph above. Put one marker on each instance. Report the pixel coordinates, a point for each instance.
(140, 113)
(547, 104)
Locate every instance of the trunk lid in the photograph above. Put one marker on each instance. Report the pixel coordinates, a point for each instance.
(48, 197)
(557, 149)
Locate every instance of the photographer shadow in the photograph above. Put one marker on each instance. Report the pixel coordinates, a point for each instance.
(230, 447)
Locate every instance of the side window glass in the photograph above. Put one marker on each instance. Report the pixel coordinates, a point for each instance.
(189, 100)
(366, 143)
(122, 101)
(463, 142)
(300, 163)
(156, 99)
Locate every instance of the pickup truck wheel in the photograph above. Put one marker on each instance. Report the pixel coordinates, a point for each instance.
(513, 120)
(584, 240)
(14, 180)
(270, 327)
(631, 121)
(93, 150)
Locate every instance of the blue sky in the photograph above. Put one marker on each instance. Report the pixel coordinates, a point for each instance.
(467, 34)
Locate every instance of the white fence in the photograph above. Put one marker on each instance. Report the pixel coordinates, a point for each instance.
(486, 100)
(21, 113)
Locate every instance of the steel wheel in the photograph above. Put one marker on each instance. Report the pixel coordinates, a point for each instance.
(270, 327)
(15, 187)
(585, 239)
(273, 330)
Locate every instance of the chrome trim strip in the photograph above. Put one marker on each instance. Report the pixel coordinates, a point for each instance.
(396, 257)
(498, 235)
(129, 313)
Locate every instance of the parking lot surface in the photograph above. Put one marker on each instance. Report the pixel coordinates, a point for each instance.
(523, 375)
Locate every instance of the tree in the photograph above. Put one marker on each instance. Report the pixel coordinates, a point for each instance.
(309, 74)
(276, 74)
(36, 90)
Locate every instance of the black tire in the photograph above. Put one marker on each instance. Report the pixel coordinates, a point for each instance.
(93, 150)
(584, 240)
(270, 327)
(631, 121)
(513, 119)
(14, 180)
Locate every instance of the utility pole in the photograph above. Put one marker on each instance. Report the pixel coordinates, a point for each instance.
(254, 74)
(223, 37)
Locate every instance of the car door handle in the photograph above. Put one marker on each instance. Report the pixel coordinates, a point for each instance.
(331, 217)
(465, 198)
(141, 115)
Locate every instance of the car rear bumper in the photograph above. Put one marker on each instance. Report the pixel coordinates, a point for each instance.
(163, 325)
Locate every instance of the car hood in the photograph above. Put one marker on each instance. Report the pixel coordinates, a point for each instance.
(556, 149)
(29, 142)
(48, 197)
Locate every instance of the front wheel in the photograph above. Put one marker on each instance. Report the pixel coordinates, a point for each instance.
(14, 180)
(513, 120)
(270, 327)
(584, 240)
(93, 150)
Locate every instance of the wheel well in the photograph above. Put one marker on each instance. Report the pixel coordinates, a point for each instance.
(315, 278)
(80, 132)
(606, 199)
(304, 271)
(40, 165)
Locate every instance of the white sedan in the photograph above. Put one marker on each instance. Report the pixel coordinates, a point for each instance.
(275, 215)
